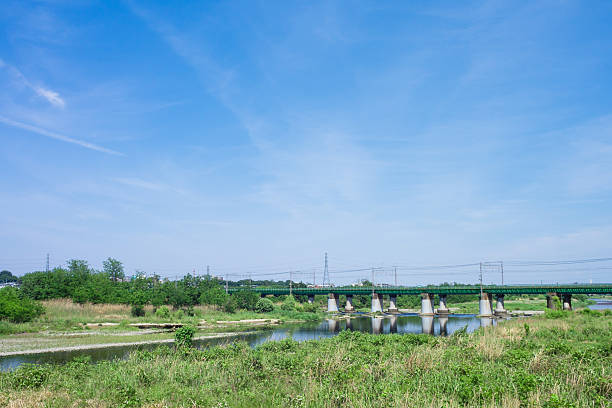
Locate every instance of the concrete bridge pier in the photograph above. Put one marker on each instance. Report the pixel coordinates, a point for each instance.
(500, 310)
(442, 309)
(392, 304)
(550, 302)
(377, 325)
(567, 301)
(311, 299)
(332, 302)
(443, 321)
(426, 304)
(393, 324)
(428, 324)
(349, 304)
(485, 305)
(377, 303)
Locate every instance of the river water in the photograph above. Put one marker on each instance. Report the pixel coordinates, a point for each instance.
(404, 323)
(401, 324)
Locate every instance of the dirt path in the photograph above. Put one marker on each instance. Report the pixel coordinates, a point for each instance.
(109, 345)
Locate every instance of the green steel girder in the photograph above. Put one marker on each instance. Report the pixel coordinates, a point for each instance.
(450, 290)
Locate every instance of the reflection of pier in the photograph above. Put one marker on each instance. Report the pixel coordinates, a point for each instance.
(427, 323)
(443, 322)
(333, 325)
(377, 325)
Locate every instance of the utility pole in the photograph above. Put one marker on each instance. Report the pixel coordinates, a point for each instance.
(47, 269)
(208, 270)
(314, 275)
(481, 280)
(395, 274)
(226, 283)
(373, 280)
(501, 263)
(290, 283)
(326, 273)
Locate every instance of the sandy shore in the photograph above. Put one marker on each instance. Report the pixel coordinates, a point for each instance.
(109, 345)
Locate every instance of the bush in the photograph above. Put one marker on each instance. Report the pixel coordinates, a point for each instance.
(246, 299)
(17, 308)
(311, 308)
(289, 304)
(138, 310)
(184, 337)
(30, 376)
(163, 312)
(264, 305)
(213, 296)
(230, 305)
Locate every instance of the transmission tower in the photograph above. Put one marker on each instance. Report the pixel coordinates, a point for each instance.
(326, 273)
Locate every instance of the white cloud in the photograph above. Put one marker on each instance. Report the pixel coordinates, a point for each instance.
(53, 135)
(51, 96)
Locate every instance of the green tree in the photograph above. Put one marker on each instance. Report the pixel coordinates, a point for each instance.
(7, 276)
(246, 299)
(114, 269)
(213, 296)
(264, 305)
(18, 308)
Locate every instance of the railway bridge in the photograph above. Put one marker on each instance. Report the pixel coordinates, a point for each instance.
(428, 294)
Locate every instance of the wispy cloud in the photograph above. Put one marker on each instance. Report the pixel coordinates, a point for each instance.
(135, 182)
(53, 135)
(52, 97)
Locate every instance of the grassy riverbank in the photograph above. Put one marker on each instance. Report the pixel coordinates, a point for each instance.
(64, 324)
(542, 362)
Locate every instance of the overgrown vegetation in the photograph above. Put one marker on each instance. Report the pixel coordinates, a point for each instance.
(557, 362)
(16, 307)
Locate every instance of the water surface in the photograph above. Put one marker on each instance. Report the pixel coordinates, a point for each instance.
(402, 324)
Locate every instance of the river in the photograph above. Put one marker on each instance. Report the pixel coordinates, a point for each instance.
(401, 324)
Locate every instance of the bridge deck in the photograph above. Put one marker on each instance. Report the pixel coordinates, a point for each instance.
(450, 290)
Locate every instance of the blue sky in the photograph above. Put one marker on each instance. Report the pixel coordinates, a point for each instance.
(255, 136)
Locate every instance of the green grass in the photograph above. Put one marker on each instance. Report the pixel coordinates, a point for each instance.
(562, 359)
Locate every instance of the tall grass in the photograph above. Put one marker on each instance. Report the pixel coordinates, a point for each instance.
(541, 362)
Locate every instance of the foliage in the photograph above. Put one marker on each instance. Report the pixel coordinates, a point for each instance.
(16, 307)
(231, 305)
(7, 276)
(183, 337)
(137, 310)
(264, 305)
(246, 299)
(503, 368)
(213, 296)
(289, 304)
(163, 312)
(114, 269)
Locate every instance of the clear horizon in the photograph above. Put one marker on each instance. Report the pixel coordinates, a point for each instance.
(255, 137)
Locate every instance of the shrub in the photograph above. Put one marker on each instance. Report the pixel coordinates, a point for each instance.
(289, 304)
(264, 305)
(17, 308)
(230, 305)
(163, 312)
(311, 308)
(184, 337)
(246, 299)
(29, 376)
(138, 310)
(213, 296)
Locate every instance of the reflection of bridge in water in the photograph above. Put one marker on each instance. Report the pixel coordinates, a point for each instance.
(486, 294)
(434, 325)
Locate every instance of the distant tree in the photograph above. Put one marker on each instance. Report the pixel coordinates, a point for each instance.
(246, 299)
(114, 269)
(7, 276)
(213, 296)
